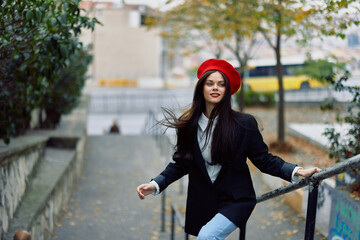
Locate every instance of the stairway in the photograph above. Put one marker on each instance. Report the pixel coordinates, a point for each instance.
(106, 205)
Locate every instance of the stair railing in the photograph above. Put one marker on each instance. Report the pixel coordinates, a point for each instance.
(312, 182)
(155, 130)
(151, 128)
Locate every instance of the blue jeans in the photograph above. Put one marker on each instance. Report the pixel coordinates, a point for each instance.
(218, 228)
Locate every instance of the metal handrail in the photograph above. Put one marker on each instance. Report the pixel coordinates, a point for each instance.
(152, 128)
(351, 163)
(313, 182)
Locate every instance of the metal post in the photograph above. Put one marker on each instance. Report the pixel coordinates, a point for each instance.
(242, 233)
(172, 237)
(311, 211)
(163, 211)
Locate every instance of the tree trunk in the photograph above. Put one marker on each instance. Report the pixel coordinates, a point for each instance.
(52, 118)
(241, 98)
(281, 102)
(40, 124)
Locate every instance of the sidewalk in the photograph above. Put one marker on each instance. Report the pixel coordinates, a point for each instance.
(105, 204)
(314, 132)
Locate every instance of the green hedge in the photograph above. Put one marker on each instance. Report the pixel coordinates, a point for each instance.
(253, 98)
(42, 63)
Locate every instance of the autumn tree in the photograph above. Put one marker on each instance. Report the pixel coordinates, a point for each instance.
(240, 24)
(304, 19)
(219, 24)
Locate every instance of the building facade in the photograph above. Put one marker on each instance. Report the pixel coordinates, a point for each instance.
(125, 51)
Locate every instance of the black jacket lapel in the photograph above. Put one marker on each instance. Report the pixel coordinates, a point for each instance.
(200, 161)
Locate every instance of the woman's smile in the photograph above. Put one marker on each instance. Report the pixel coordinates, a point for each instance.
(215, 95)
(214, 89)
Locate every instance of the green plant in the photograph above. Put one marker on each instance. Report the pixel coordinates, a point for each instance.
(323, 70)
(66, 89)
(253, 98)
(37, 43)
(346, 143)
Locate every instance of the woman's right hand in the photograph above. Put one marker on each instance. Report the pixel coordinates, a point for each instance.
(145, 189)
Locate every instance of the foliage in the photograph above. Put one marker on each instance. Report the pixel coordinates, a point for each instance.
(279, 18)
(305, 19)
(215, 25)
(265, 99)
(327, 104)
(191, 32)
(347, 143)
(37, 43)
(233, 24)
(66, 89)
(323, 70)
(332, 18)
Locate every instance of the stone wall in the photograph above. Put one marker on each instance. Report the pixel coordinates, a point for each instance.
(18, 164)
(45, 222)
(17, 161)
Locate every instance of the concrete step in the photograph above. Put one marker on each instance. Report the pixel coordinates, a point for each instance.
(105, 204)
(48, 175)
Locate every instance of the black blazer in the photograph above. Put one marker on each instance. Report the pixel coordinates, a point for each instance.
(232, 193)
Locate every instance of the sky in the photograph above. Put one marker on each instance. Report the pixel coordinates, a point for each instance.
(151, 3)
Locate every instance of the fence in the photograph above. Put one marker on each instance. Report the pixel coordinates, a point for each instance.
(138, 100)
(175, 213)
(315, 95)
(153, 128)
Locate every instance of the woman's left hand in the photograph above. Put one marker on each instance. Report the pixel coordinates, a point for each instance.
(307, 172)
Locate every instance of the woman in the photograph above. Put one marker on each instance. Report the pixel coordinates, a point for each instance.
(213, 144)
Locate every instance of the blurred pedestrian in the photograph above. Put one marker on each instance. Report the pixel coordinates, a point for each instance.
(213, 144)
(115, 127)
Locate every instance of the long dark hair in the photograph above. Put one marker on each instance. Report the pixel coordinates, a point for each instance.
(222, 142)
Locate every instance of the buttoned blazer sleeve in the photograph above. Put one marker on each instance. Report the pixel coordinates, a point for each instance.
(259, 155)
(173, 171)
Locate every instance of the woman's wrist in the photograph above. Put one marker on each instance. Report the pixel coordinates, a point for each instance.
(299, 172)
(156, 187)
(307, 172)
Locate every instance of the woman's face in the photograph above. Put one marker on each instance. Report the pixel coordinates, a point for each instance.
(214, 89)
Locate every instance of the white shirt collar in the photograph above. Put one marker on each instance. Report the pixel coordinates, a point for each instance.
(203, 121)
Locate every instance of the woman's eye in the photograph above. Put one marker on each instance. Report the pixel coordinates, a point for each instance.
(209, 84)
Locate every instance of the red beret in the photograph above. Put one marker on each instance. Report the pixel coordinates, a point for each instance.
(223, 66)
